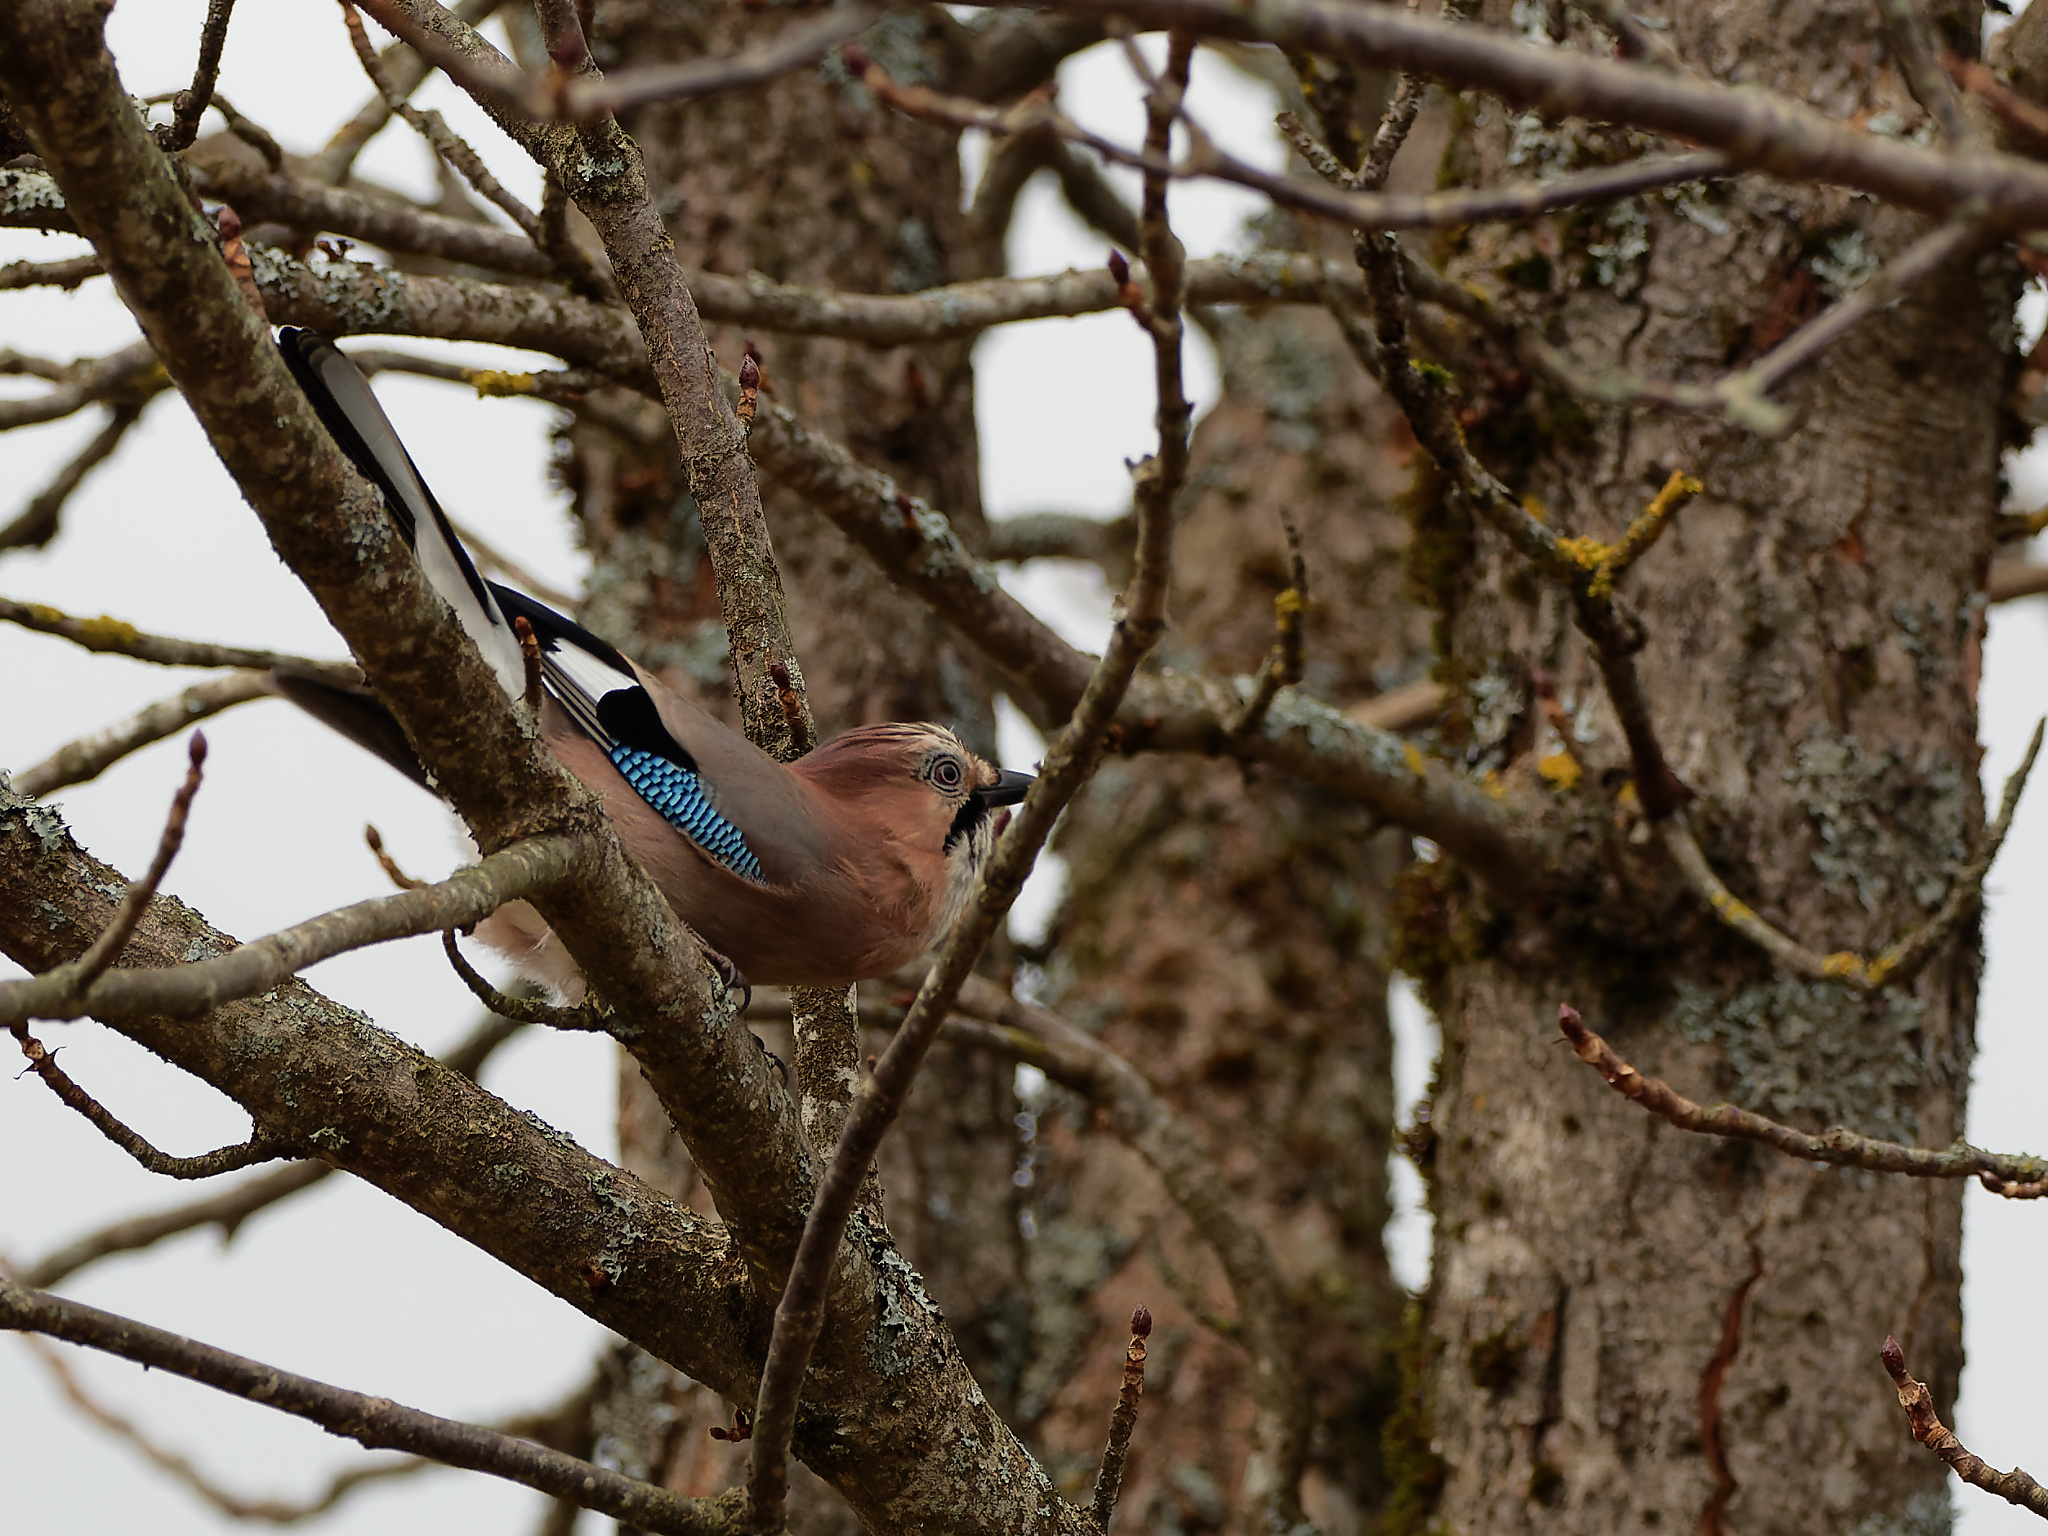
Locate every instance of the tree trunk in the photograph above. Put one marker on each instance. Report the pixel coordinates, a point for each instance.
(1635, 1328)
(1227, 930)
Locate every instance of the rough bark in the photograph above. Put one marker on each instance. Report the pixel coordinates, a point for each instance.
(1631, 1327)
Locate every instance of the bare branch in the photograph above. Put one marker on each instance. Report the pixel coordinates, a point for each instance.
(2020, 1178)
(1064, 536)
(449, 145)
(791, 49)
(191, 104)
(60, 989)
(1913, 50)
(115, 637)
(49, 274)
(1381, 210)
(524, 1010)
(205, 1165)
(464, 897)
(375, 1422)
(407, 72)
(132, 373)
(1761, 129)
(2013, 579)
(2015, 1487)
(229, 1209)
(39, 520)
(181, 1468)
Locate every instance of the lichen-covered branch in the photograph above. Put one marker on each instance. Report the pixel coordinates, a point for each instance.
(2018, 1178)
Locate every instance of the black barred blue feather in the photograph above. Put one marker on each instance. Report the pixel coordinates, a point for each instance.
(678, 794)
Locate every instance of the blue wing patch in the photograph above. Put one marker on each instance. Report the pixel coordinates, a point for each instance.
(679, 796)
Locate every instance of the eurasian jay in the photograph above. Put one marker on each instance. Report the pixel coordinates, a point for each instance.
(844, 865)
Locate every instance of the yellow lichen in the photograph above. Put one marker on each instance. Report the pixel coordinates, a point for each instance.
(1561, 769)
(1416, 764)
(1586, 554)
(1288, 606)
(490, 382)
(107, 630)
(1842, 963)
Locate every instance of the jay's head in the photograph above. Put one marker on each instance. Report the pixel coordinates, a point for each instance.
(918, 785)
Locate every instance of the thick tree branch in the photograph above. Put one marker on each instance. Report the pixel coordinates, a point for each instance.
(374, 1422)
(2017, 1178)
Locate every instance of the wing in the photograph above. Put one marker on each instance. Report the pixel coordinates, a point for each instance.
(609, 698)
(342, 398)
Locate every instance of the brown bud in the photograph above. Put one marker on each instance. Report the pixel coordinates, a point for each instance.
(1119, 268)
(198, 749)
(228, 222)
(750, 374)
(1141, 1321)
(857, 59)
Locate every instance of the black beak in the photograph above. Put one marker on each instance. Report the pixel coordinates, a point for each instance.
(1009, 788)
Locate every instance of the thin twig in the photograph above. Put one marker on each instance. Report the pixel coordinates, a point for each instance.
(183, 1470)
(39, 520)
(446, 142)
(259, 1148)
(132, 373)
(2016, 1178)
(2011, 108)
(524, 1010)
(63, 986)
(1109, 1477)
(2015, 1487)
(800, 1315)
(116, 637)
(1379, 210)
(375, 1422)
(229, 1209)
(407, 72)
(79, 761)
(191, 104)
(1283, 665)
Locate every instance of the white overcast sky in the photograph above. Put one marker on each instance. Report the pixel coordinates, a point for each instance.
(351, 1287)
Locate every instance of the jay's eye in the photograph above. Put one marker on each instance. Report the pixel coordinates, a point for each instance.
(946, 773)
